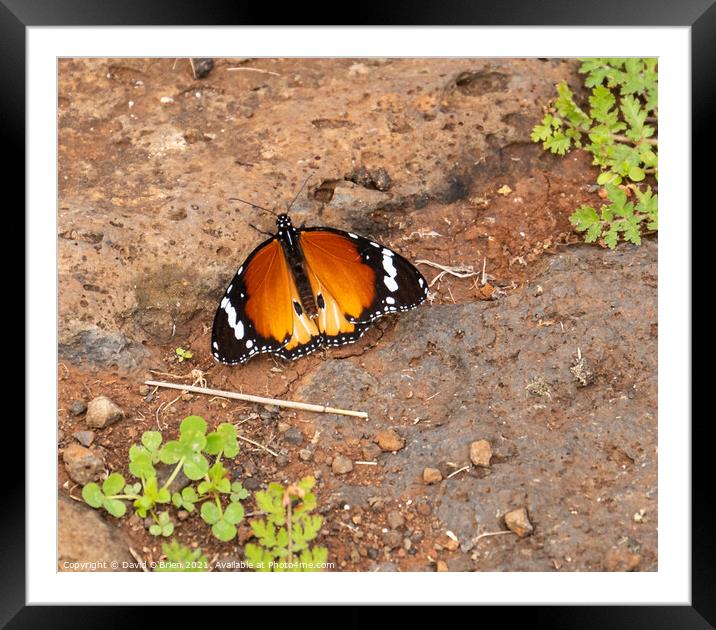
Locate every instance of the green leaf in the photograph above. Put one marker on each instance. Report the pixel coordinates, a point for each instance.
(134, 488)
(140, 462)
(611, 237)
(92, 495)
(606, 177)
(196, 466)
(171, 452)
(115, 507)
(234, 513)
(239, 493)
(636, 174)
(192, 425)
(632, 231)
(223, 530)
(210, 512)
(151, 440)
(558, 143)
(113, 484)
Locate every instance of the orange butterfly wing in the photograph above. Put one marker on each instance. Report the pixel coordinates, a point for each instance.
(258, 314)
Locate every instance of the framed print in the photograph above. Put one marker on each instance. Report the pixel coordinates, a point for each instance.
(385, 305)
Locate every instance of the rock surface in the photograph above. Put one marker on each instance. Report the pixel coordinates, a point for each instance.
(101, 412)
(87, 542)
(82, 464)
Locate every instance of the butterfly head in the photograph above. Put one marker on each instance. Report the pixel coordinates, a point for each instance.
(283, 222)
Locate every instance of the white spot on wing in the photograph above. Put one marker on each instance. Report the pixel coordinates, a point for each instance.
(249, 343)
(389, 300)
(390, 283)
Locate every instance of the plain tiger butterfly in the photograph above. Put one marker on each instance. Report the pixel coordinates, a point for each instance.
(310, 287)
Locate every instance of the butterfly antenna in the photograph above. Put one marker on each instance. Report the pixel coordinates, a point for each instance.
(251, 203)
(305, 181)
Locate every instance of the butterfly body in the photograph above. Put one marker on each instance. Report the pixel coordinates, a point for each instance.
(308, 287)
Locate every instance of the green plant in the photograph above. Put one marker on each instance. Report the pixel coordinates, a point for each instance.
(619, 130)
(183, 355)
(289, 526)
(283, 535)
(180, 558)
(188, 453)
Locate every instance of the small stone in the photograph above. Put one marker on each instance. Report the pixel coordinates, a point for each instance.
(182, 515)
(78, 408)
(166, 100)
(102, 412)
(294, 435)
(621, 559)
(370, 452)
(373, 553)
(392, 539)
(82, 464)
(395, 519)
(252, 484)
(480, 453)
(164, 471)
(389, 440)
(283, 427)
(282, 461)
(441, 566)
(144, 390)
(432, 475)
(341, 465)
(424, 508)
(84, 437)
(305, 455)
(518, 522)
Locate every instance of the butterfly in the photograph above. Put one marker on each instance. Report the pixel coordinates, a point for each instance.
(310, 287)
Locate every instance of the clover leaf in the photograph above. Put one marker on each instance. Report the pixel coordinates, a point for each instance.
(163, 526)
(188, 448)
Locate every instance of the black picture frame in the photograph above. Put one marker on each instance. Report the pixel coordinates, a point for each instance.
(700, 15)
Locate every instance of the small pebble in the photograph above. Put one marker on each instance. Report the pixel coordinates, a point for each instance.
(424, 508)
(621, 559)
(84, 437)
(294, 435)
(82, 465)
(341, 465)
(519, 522)
(166, 100)
(252, 484)
(480, 453)
(389, 440)
(305, 454)
(441, 566)
(392, 539)
(370, 452)
(182, 515)
(432, 475)
(144, 390)
(395, 519)
(78, 408)
(102, 412)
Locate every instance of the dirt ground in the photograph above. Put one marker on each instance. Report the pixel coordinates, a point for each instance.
(548, 351)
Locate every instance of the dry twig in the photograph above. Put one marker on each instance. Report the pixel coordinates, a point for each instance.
(459, 271)
(260, 399)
